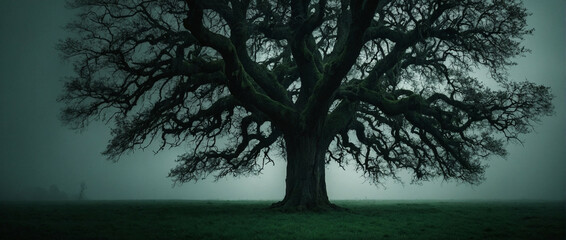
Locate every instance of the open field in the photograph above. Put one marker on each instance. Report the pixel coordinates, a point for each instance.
(251, 220)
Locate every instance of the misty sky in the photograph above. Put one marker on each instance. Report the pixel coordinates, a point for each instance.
(36, 150)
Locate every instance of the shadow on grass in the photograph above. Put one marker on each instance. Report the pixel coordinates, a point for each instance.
(253, 220)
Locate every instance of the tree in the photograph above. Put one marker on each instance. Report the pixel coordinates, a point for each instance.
(385, 85)
(82, 191)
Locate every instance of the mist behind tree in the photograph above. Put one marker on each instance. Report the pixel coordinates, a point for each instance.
(53, 193)
(385, 85)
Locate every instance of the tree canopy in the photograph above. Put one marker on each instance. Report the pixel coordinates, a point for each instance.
(382, 85)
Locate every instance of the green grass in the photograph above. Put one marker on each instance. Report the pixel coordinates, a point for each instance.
(251, 220)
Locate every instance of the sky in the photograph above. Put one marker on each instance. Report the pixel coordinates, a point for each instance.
(37, 151)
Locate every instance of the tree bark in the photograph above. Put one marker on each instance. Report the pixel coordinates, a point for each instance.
(305, 181)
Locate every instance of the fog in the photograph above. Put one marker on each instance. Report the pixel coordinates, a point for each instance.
(38, 153)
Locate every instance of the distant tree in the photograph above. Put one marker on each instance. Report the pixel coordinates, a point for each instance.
(82, 191)
(56, 194)
(385, 85)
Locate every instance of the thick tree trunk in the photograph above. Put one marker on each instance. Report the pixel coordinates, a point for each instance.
(305, 182)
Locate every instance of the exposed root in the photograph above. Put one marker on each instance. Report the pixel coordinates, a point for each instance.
(284, 206)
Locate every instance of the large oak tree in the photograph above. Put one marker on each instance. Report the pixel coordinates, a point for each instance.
(385, 85)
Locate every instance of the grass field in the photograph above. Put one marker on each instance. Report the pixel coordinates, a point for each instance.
(251, 220)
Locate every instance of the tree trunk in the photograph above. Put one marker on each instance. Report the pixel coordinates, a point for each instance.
(305, 182)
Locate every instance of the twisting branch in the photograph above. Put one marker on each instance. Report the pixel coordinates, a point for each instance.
(384, 84)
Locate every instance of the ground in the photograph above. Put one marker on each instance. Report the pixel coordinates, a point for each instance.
(254, 220)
